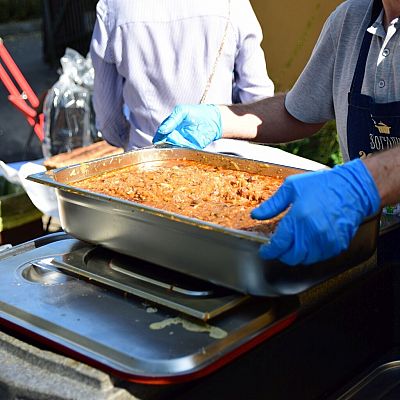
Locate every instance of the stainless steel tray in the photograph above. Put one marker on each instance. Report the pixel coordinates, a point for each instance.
(128, 336)
(207, 251)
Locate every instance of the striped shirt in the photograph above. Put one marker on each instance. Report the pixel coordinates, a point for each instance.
(150, 55)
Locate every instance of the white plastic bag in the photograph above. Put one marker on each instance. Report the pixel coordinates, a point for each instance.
(43, 197)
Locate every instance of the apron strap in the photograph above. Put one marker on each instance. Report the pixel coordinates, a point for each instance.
(359, 73)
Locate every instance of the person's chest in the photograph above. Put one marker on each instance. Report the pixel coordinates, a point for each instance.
(382, 72)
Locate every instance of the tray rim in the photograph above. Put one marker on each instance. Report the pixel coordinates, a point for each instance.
(48, 178)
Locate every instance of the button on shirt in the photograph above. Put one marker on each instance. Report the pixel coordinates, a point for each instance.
(385, 52)
(150, 55)
(320, 93)
(388, 40)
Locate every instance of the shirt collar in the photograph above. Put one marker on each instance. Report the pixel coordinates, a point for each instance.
(377, 27)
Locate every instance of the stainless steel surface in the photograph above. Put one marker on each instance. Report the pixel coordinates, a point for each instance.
(191, 296)
(388, 223)
(207, 251)
(4, 247)
(124, 333)
(382, 383)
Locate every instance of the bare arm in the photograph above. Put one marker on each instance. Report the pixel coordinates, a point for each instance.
(265, 121)
(385, 169)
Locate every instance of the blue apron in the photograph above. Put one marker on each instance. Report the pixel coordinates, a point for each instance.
(371, 126)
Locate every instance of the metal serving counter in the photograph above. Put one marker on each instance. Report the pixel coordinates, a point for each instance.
(331, 340)
(305, 345)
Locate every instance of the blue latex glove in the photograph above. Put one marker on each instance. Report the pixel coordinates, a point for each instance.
(194, 126)
(326, 208)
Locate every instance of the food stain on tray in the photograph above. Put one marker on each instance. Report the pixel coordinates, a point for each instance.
(213, 331)
(193, 189)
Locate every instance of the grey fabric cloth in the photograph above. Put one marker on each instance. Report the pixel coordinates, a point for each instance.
(320, 93)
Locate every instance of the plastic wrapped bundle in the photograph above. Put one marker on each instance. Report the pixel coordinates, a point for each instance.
(68, 111)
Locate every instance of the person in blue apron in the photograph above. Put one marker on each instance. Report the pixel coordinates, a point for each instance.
(371, 126)
(353, 77)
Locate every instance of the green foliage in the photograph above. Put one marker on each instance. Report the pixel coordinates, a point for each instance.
(322, 147)
(19, 10)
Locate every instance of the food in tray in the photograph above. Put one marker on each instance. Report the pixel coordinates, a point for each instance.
(82, 154)
(193, 189)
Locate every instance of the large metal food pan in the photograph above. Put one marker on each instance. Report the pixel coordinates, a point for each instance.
(207, 251)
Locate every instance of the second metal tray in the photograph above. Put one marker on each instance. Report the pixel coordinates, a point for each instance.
(207, 251)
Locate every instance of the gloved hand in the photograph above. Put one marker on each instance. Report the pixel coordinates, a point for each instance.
(194, 126)
(326, 208)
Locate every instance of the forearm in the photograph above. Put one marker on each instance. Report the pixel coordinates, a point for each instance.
(385, 169)
(265, 121)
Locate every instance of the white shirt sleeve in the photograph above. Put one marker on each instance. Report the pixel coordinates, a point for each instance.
(108, 85)
(251, 78)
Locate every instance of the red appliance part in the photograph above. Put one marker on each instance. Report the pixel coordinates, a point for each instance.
(19, 97)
